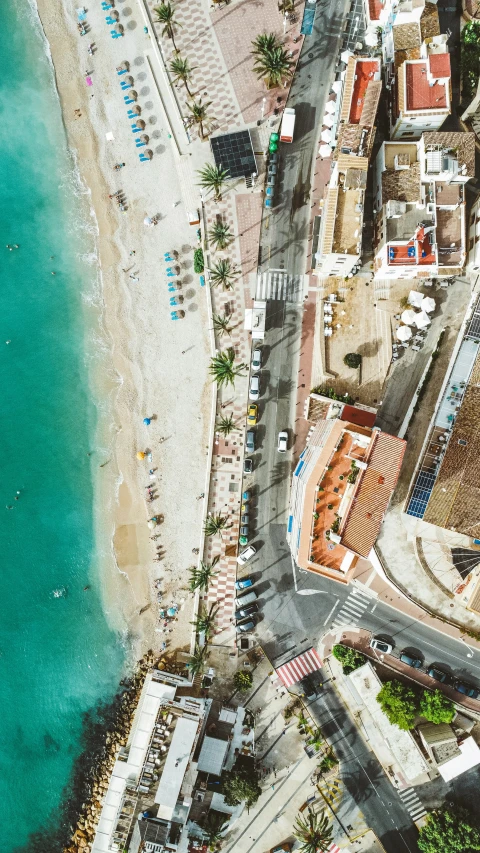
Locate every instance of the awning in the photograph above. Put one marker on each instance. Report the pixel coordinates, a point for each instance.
(299, 667)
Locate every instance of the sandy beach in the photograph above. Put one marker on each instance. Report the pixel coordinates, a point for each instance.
(160, 365)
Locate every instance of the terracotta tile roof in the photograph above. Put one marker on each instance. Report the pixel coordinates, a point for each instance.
(440, 65)
(370, 503)
(406, 36)
(464, 143)
(358, 416)
(420, 95)
(374, 9)
(401, 56)
(429, 23)
(370, 103)
(350, 136)
(365, 69)
(401, 184)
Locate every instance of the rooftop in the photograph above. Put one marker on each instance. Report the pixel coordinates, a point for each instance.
(354, 139)
(365, 70)
(461, 144)
(401, 184)
(429, 22)
(440, 65)
(406, 151)
(406, 36)
(348, 222)
(420, 95)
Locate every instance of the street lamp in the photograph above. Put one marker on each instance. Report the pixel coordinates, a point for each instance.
(285, 19)
(264, 101)
(470, 650)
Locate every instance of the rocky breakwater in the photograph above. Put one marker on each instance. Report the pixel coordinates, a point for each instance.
(96, 763)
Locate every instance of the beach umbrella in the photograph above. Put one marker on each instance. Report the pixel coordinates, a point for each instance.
(114, 14)
(137, 110)
(140, 454)
(325, 150)
(326, 135)
(415, 298)
(140, 123)
(118, 28)
(144, 137)
(337, 86)
(328, 120)
(132, 94)
(151, 524)
(404, 333)
(428, 304)
(148, 153)
(422, 320)
(171, 611)
(129, 80)
(146, 421)
(330, 107)
(345, 56)
(147, 221)
(408, 317)
(124, 66)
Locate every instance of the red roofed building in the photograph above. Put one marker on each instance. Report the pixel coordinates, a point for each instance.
(421, 95)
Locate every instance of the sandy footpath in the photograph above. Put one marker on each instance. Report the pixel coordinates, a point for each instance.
(162, 363)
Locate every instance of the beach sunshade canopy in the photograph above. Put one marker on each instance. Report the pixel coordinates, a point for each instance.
(151, 524)
(422, 320)
(140, 123)
(148, 221)
(428, 304)
(148, 153)
(137, 110)
(144, 137)
(325, 150)
(330, 107)
(129, 80)
(415, 298)
(404, 333)
(171, 611)
(146, 421)
(337, 86)
(371, 39)
(328, 120)
(124, 66)
(326, 135)
(118, 28)
(408, 317)
(132, 94)
(140, 454)
(114, 14)
(345, 56)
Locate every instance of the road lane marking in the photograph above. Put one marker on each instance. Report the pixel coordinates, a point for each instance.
(332, 612)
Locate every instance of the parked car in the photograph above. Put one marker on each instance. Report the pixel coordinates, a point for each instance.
(252, 416)
(254, 392)
(244, 627)
(467, 689)
(271, 180)
(245, 518)
(380, 645)
(246, 555)
(256, 359)
(282, 441)
(438, 674)
(269, 192)
(244, 583)
(246, 598)
(268, 203)
(250, 440)
(273, 158)
(243, 537)
(247, 466)
(246, 496)
(410, 661)
(243, 612)
(272, 169)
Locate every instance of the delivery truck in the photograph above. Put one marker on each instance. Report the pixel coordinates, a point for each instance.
(288, 124)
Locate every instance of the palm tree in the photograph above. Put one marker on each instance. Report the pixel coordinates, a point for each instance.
(222, 324)
(264, 43)
(223, 369)
(313, 832)
(220, 235)
(226, 425)
(196, 662)
(213, 178)
(215, 524)
(212, 826)
(206, 620)
(166, 15)
(222, 273)
(200, 115)
(181, 72)
(201, 576)
(273, 66)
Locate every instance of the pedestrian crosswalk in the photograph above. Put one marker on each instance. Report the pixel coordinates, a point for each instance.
(278, 284)
(353, 609)
(414, 806)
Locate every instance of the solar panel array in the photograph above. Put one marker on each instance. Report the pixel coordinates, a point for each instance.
(421, 494)
(234, 152)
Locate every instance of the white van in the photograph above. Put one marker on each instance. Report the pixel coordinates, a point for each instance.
(246, 599)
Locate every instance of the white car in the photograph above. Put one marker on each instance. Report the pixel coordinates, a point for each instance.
(254, 392)
(256, 359)
(246, 555)
(379, 645)
(282, 441)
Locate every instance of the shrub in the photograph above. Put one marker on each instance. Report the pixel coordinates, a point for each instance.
(332, 395)
(435, 707)
(399, 703)
(328, 761)
(349, 658)
(353, 359)
(335, 526)
(198, 262)
(243, 679)
(451, 829)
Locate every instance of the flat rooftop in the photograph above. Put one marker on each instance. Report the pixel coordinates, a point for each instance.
(392, 150)
(348, 222)
(403, 227)
(450, 238)
(420, 95)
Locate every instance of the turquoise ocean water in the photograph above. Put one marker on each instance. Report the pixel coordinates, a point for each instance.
(58, 656)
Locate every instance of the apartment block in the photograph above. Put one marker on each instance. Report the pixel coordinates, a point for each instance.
(420, 205)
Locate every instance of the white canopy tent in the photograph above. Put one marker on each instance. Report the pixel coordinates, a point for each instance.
(328, 120)
(345, 56)
(337, 86)
(428, 304)
(330, 107)
(326, 135)
(422, 320)
(415, 298)
(404, 333)
(408, 317)
(325, 150)
(371, 39)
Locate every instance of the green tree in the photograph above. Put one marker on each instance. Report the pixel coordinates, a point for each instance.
(212, 827)
(181, 72)
(243, 679)
(399, 703)
(434, 706)
(223, 369)
(264, 43)
(200, 115)
(313, 831)
(329, 760)
(213, 178)
(215, 524)
(273, 66)
(166, 16)
(225, 425)
(349, 658)
(352, 359)
(196, 662)
(200, 576)
(241, 786)
(198, 261)
(223, 273)
(451, 829)
(221, 324)
(220, 235)
(205, 620)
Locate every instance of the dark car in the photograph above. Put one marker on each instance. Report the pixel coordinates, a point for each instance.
(247, 466)
(244, 627)
(438, 674)
(244, 519)
(467, 689)
(243, 612)
(410, 661)
(244, 530)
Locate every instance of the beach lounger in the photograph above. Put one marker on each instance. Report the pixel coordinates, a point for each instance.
(128, 100)
(202, 281)
(170, 274)
(136, 129)
(123, 71)
(173, 301)
(110, 21)
(82, 15)
(140, 144)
